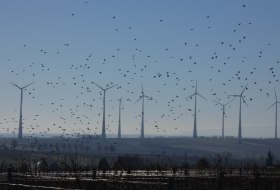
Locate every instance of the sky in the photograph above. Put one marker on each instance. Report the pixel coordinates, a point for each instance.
(64, 46)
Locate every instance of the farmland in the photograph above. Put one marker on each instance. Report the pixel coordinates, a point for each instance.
(152, 163)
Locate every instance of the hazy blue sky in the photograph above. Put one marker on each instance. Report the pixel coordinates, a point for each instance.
(64, 45)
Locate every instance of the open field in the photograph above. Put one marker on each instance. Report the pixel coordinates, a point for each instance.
(176, 149)
(152, 163)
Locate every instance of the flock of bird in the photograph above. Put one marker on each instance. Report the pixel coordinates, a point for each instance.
(75, 92)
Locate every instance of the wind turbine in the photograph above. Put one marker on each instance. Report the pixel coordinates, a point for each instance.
(119, 127)
(20, 114)
(223, 120)
(240, 102)
(143, 96)
(275, 103)
(103, 121)
(195, 94)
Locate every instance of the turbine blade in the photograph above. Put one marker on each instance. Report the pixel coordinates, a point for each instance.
(99, 86)
(244, 89)
(201, 96)
(15, 85)
(110, 87)
(271, 106)
(149, 98)
(229, 101)
(218, 102)
(244, 101)
(190, 96)
(138, 99)
(119, 100)
(275, 94)
(27, 85)
(233, 95)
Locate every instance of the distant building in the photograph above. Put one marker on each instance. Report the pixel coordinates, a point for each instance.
(269, 159)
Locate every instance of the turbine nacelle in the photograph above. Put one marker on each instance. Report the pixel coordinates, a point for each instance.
(104, 89)
(240, 95)
(143, 95)
(223, 105)
(196, 93)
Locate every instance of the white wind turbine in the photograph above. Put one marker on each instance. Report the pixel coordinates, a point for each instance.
(275, 103)
(223, 117)
(119, 126)
(143, 96)
(195, 124)
(241, 97)
(104, 96)
(20, 114)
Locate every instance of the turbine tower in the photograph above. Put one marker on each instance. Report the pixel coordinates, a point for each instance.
(143, 96)
(20, 114)
(103, 121)
(223, 118)
(275, 103)
(195, 94)
(241, 97)
(119, 127)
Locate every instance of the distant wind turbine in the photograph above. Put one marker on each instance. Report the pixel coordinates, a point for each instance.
(275, 103)
(103, 121)
(195, 94)
(241, 97)
(119, 127)
(223, 120)
(20, 114)
(143, 96)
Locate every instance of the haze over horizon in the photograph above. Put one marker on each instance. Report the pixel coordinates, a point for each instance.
(63, 47)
